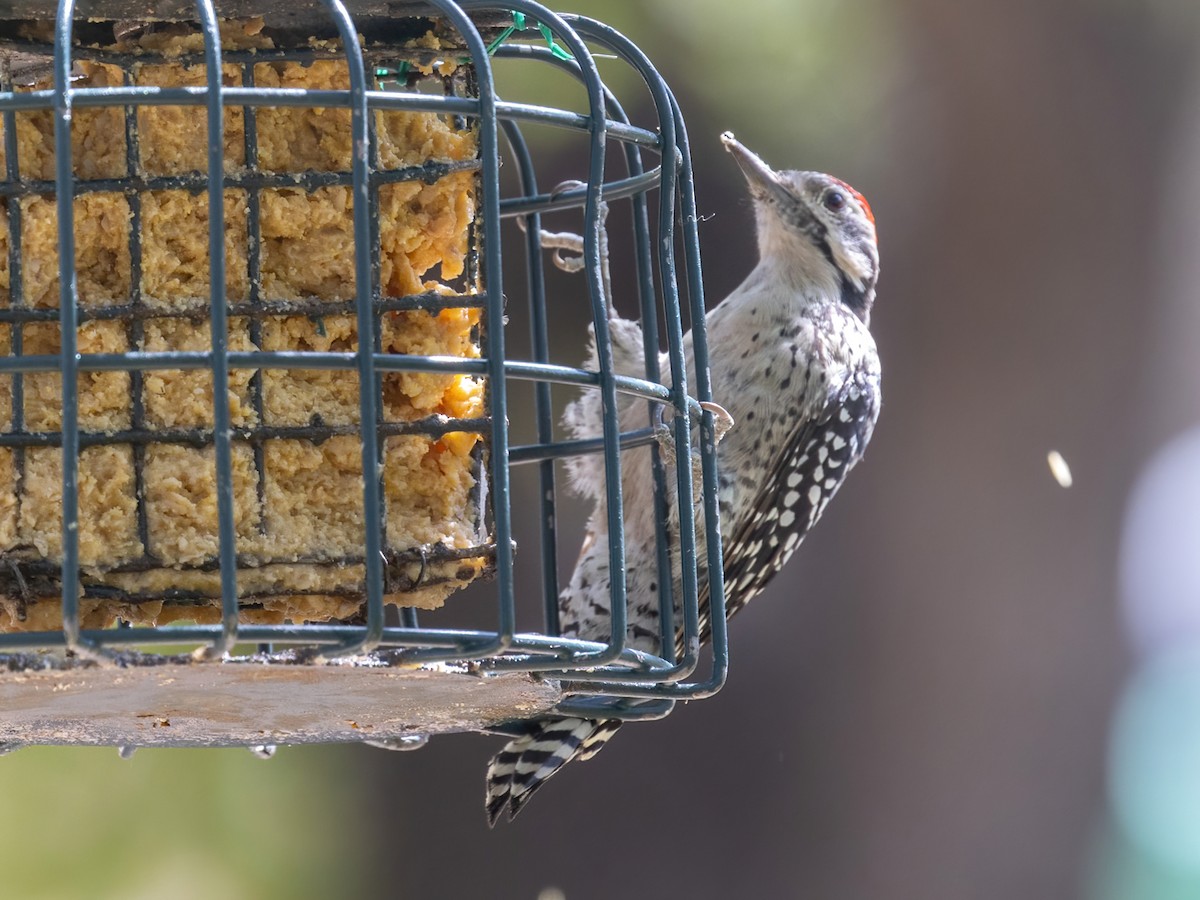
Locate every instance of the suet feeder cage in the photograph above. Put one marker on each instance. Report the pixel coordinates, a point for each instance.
(301, 203)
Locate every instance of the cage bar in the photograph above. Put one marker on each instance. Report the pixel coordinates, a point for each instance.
(529, 672)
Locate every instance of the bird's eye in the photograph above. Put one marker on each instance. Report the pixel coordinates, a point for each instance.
(835, 201)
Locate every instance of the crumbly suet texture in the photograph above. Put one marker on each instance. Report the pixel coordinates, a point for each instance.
(298, 507)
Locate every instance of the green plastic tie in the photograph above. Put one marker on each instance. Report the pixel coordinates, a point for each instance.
(398, 74)
(520, 23)
(555, 50)
(504, 36)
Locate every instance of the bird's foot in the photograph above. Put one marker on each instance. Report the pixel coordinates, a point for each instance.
(665, 436)
(568, 242)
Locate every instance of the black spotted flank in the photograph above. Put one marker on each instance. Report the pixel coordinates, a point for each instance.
(808, 471)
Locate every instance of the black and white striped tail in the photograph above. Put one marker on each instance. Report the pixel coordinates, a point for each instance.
(528, 761)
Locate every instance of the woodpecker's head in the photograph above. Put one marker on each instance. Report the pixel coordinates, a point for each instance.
(817, 229)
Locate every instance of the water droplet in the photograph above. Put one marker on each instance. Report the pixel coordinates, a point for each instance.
(404, 742)
(263, 751)
(126, 752)
(7, 747)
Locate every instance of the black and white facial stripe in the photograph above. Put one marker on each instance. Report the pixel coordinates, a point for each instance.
(843, 231)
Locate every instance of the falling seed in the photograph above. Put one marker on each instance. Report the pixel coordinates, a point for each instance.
(1059, 468)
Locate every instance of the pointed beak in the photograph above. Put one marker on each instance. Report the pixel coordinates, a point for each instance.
(763, 180)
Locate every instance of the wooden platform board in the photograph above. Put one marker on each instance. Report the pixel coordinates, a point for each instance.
(249, 701)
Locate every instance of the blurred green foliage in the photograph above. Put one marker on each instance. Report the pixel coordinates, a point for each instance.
(817, 74)
(83, 822)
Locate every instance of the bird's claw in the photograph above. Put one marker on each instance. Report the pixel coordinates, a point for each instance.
(722, 422)
(560, 241)
(571, 184)
(665, 438)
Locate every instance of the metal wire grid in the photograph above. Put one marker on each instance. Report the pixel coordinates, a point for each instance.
(28, 575)
(608, 677)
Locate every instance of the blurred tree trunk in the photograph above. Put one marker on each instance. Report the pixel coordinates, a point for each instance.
(918, 707)
(983, 646)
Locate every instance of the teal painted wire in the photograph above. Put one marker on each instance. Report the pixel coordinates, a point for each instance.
(608, 37)
(368, 397)
(219, 327)
(539, 338)
(674, 330)
(496, 365)
(615, 502)
(644, 272)
(68, 322)
(591, 236)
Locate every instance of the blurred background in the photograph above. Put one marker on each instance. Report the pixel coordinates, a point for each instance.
(971, 682)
